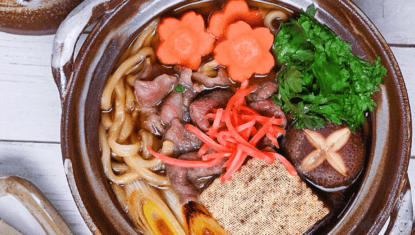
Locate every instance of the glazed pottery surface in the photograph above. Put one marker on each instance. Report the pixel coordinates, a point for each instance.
(34, 17)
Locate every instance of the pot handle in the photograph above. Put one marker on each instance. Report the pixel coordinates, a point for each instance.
(68, 34)
(36, 203)
(401, 218)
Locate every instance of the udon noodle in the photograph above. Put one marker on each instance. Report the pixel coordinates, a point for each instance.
(120, 143)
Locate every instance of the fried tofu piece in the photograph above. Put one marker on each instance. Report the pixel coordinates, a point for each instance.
(263, 199)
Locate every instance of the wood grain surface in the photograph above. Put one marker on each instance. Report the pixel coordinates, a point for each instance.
(30, 104)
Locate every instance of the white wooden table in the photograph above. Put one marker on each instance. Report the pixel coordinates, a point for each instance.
(30, 108)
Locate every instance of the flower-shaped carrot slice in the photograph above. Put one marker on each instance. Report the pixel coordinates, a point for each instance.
(236, 10)
(184, 41)
(245, 51)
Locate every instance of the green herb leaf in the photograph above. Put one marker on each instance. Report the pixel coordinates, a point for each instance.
(311, 11)
(179, 88)
(320, 78)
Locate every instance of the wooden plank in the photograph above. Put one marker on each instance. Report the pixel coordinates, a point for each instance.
(393, 18)
(30, 111)
(29, 98)
(405, 58)
(42, 165)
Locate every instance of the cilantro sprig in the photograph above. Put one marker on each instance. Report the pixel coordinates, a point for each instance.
(321, 79)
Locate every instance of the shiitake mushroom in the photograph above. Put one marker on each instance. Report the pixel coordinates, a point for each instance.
(330, 157)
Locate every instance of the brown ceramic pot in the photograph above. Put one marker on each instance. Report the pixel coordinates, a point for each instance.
(34, 17)
(383, 192)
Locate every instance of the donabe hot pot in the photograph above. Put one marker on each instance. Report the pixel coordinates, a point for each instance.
(383, 194)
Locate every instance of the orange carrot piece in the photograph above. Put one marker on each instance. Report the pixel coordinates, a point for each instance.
(245, 51)
(184, 41)
(183, 163)
(206, 139)
(232, 12)
(290, 168)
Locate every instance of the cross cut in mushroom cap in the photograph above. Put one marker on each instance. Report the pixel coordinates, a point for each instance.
(326, 149)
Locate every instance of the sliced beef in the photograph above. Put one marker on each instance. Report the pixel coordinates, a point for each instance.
(178, 178)
(189, 93)
(151, 71)
(177, 103)
(185, 74)
(152, 123)
(185, 79)
(269, 109)
(188, 97)
(189, 182)
(202, 177)
(213, 100)
(151, 93)
(264, 91)
(172, 108)
(221, 80)
(184, 141)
